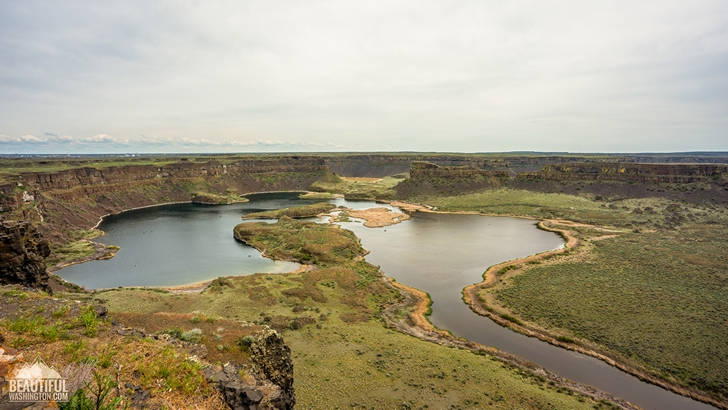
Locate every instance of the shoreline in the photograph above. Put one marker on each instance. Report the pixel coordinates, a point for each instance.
(417, 304)
(491, 278)
(101, 218)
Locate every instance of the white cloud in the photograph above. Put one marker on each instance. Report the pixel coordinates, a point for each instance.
(104, 139)
(8, 139)
(32, 138)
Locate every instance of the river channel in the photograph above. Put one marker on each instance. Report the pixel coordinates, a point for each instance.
(181, 244)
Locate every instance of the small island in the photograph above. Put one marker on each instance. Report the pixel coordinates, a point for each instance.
(302, 211)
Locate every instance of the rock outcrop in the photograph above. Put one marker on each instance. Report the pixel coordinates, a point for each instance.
(645, 173)
(273, 361)
(380, 165)
(270, 383)
(429, 178)
(22, 250)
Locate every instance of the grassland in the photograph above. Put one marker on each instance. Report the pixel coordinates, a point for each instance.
(316, 195)
(655, 300)
(307, 242)
(78, 247)
(637, 213)
(215, 199)
(360, 189)
(301, 211)
(343, 355)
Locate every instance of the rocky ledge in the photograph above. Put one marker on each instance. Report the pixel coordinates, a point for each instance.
(22, 250)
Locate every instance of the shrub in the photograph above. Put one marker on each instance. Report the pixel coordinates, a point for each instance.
(192, 336)
(246, 340)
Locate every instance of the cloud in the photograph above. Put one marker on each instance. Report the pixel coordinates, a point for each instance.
(104, 139)
(8, 139)
(100, 143)
(465, 75)
(51, 138)
(32, 138)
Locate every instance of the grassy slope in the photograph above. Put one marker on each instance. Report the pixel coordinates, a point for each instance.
(344, 357)
(64, 332)
(657, 298)
(301, 211)
(633, 213)
(381, 189)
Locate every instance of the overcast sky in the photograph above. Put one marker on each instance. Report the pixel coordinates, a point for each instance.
(467, 76)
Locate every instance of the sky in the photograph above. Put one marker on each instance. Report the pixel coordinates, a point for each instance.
(421, 75)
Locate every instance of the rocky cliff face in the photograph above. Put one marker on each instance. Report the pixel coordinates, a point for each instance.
(22, 250)
(645, 173)
(184, 169)
(380, 165)
(429, 178)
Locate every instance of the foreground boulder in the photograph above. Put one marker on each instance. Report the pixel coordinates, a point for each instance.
(22, 250)
(268, 385)
(273, 362)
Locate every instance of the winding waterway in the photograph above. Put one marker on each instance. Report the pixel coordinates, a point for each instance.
(180, 244)
(442, 254)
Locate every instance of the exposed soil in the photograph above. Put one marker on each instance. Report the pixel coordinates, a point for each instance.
(375, 217)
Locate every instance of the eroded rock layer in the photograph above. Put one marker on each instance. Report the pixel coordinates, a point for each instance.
(22, 250)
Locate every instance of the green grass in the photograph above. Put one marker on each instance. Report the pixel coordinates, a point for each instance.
(507, 201)
(316, 195)
(70, 251)
(382, 189)
(629, 213)
(657, 299)
(308, 242)
(301, 211)
(345, 363)
(216, 199)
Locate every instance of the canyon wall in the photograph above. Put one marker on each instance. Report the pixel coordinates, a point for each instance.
(690, 182)
(61, 203)
(644, 173)
(380, 165)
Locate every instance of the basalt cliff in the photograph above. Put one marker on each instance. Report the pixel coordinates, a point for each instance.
(691, 182)
(69, 200)
(22, 250)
